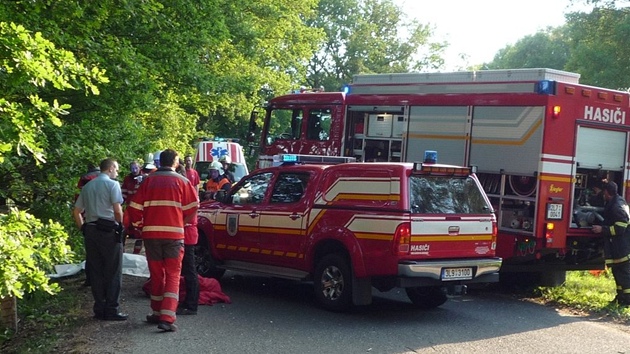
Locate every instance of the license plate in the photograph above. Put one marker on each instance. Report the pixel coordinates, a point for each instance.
(457, 273)
(554, 211)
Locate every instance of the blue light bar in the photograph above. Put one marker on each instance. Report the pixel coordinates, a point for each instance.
(315, 159)
(289, 158)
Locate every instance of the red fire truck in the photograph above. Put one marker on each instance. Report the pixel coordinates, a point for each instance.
(540, 141)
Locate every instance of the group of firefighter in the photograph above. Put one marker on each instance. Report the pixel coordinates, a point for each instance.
(219, 180)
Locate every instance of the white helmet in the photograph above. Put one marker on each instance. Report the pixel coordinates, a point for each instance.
(216, 165)
(156, 158)
(226, 159)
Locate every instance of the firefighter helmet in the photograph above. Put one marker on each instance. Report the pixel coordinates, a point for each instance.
(215, 165)
(225, 159)
(156, 158)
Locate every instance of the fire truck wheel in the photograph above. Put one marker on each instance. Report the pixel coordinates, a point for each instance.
(426, 297)
(332, 283)
(206, 265)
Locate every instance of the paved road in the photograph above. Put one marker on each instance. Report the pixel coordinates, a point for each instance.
(271, 316)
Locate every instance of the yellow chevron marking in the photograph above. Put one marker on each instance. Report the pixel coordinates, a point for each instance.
(283, 231)
(555, 179)
(373, 236)
(437, 136)
(522, 141)
(451, 238)
(265, 252)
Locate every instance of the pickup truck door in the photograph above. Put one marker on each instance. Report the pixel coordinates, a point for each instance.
(283, 219)
(237, 223)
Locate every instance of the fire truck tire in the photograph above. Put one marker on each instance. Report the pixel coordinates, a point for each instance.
(426, 297)
(333, 283)
(205, 263)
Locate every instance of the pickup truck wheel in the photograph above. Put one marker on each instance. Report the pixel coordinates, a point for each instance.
(206, 265)
(426, 297)
(333, 284)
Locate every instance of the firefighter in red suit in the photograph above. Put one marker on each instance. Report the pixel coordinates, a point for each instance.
(616, 234)
(131, 182)
(134, 232)
(163, 204)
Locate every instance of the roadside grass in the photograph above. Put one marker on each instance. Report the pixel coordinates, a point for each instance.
(589, 292)
(45, 320)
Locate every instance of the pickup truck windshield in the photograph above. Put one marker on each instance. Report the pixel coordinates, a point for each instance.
(446, 195)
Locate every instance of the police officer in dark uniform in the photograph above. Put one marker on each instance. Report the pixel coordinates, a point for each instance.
(616, 235)
(98, 213)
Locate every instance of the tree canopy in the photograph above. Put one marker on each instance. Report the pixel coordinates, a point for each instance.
(594, 44)
(368, 36)
(545, 49)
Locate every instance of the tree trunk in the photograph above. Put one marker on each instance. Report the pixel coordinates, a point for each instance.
(8, 313)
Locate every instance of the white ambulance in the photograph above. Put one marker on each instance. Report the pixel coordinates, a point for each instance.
(214, 150)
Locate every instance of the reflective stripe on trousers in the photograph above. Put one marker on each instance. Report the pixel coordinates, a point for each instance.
(164, 290)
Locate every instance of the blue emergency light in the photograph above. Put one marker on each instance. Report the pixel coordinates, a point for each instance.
(430, 156)
(546, 87)
(289, 158)
(282, 159)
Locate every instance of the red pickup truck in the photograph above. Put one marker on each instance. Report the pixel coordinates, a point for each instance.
(348, 227)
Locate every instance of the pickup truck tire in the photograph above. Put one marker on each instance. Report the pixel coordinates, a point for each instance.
(426, 297)
(204, 262)
(333, 283)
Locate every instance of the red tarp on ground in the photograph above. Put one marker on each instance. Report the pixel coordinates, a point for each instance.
(209, 291)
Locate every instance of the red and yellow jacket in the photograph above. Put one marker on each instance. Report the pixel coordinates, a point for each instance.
(161, 205)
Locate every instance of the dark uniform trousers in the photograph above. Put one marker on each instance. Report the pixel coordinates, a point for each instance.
(617, 252)
(104, 260)
(189, 272)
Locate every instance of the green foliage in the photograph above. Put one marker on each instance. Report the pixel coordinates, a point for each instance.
(28, 64)
(368, 36)
(594, 44)
(545, 49)
(29, 249)
(177, 70)
(600, 46)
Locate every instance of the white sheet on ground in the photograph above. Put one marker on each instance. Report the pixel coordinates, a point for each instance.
(136, 265)
(133, 264)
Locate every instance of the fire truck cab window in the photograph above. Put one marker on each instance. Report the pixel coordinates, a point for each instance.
(285, 124)
(289, 188)
(252, 190)
(319, 124)
(446, 195)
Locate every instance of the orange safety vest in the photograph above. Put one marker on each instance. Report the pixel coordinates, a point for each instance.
(212, 186)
